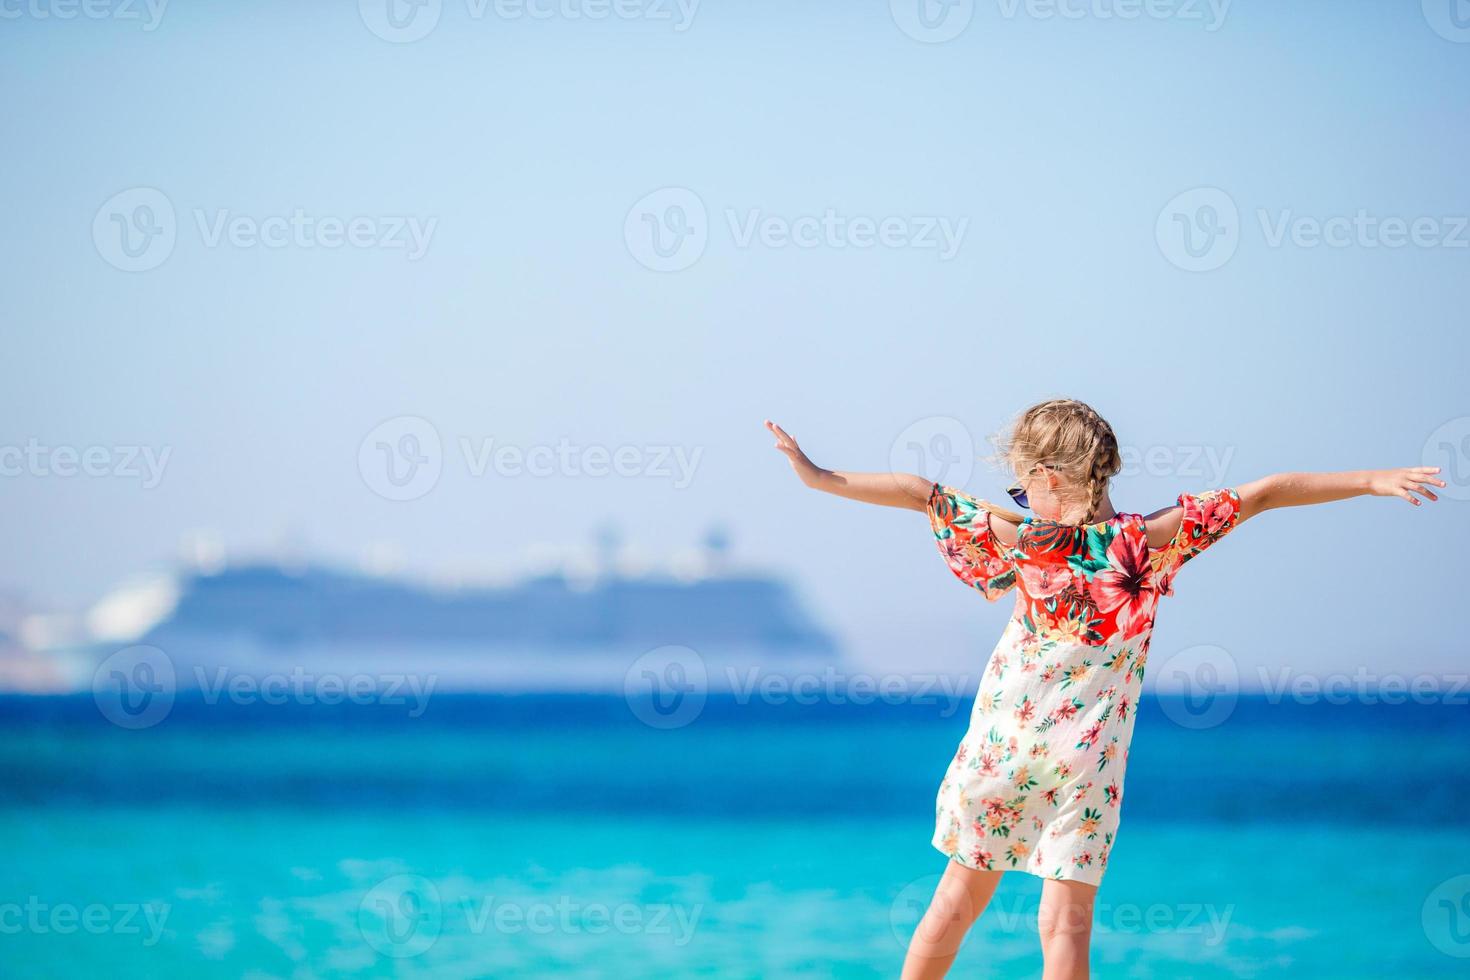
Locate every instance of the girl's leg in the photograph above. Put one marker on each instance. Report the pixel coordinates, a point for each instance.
(1065, 924)
(958, 901)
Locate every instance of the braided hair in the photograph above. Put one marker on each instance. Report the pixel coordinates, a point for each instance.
(1069, 437)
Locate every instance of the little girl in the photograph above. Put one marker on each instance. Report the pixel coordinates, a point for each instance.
(1037, 782)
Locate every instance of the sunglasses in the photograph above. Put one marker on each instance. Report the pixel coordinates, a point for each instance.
(1018, 490)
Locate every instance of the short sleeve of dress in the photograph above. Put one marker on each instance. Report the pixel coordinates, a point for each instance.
(1207, 518)
(962, 531)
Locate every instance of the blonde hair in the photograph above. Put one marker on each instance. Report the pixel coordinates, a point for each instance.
(1070, 438)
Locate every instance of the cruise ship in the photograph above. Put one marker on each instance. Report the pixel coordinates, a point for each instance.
(546, 633)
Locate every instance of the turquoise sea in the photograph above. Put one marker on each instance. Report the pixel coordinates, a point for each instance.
(561, 836)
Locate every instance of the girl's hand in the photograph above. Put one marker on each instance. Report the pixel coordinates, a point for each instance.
(808, 471)
(1405, 483)
(885, 489)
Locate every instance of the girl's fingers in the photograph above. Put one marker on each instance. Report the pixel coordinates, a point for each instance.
(1425, 474)
(783, 441)
(1421, 489)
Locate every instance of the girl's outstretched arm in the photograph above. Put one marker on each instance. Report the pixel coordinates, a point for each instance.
(1300, 489)
(888, 489)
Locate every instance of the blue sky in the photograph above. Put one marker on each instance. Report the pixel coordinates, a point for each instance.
(520, 149)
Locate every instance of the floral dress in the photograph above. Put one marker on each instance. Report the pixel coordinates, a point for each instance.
(1037, 781)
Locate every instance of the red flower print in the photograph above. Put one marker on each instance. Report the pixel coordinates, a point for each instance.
(1067, 709)
(994, 567)
(1123, 587)
(1215, 511)
(1044, 579)
(1089, 737)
